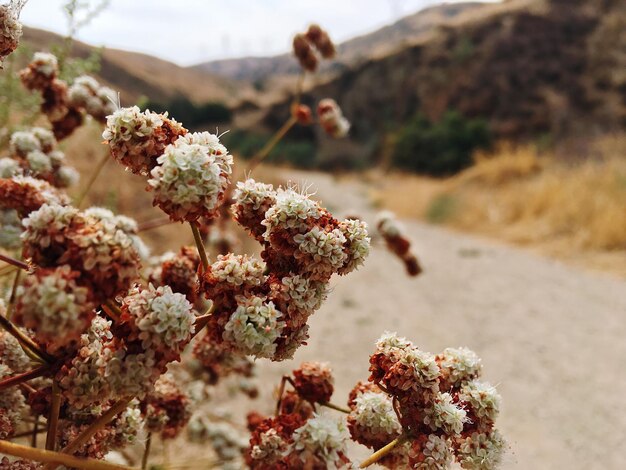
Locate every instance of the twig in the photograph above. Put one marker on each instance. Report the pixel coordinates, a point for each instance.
(53, 417)
(15, 262)
(102, 421)
(383, 451)
(199, 245)
(7, 269)
(36, 431)
(112, 310)
(146, 452)
(336, 407)
(281, 391)
(154, 223)
(16, 282)
(81, 197)
(50, 457)
(29, 346)
(264, 152)
(24, 376)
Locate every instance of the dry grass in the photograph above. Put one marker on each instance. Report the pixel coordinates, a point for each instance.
(576, 212)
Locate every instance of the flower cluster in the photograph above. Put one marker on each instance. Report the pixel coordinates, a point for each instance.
(167, 409)
(86, 93)
(103, 253)
(313, 381)
(136, 139)
(179, 272)
(226, 441)
(12, 406)
(53, 304)
(33, 153)
(393, 233)
(306, 47)
(10, 28)
(25, 194)
(444, 411)
(331, 118)
(261, 308)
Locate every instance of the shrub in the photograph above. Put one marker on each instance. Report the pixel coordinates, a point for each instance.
(440, 148)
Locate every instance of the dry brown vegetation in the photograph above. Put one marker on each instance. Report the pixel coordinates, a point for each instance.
(574, 211)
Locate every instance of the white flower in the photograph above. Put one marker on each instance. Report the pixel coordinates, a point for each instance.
(238, 270)
(23, 142)
(12, 403)
(164, 317)
(9, 168)
(374, 411)
(483, 400)
(480, 451)
(388, 225)
(45, 137)
(391, 341)
(358, 246)
(213, 144)
(459, 365)
(445, 415)
(43, 223)
(189, 181)
(302, 294)
(437, 454)
(254, 327)
(424, 367)
(270, 449)
(67, 176)
(38, 162)
(322, 438)
(290, 211)
(10, 229)
(253, 195)
(45, 63)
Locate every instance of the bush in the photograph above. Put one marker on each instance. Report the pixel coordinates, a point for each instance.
(440, 148)
(184, 110)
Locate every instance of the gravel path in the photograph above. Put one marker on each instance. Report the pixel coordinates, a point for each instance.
(552, 338)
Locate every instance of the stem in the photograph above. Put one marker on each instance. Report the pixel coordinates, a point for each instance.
(383, 451)
(15, 262)
(336, 407)
(36, 431)
(299, 85)
(154, 223)
(48, 456)
(264, 152)
(112, 310)
(199, 245)
(24, 377)
(16, 282)
(29, 346)
(146, 452)
(281, 391)
(92, 179)
(102, 421)
(7, 269)
(53, 418)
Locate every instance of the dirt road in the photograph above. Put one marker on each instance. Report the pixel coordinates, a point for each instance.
(552, 338)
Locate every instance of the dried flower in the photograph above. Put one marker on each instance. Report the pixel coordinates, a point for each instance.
(314, 381)
(320, 442)
(331, 118)
(10, 28)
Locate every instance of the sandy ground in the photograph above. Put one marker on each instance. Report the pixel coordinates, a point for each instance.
(550, 337)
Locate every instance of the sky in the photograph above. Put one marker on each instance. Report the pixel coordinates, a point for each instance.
(187, 32)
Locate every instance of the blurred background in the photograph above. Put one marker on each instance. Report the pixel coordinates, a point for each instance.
(485, 126)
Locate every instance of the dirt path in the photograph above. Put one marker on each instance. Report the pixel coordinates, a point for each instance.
(551, 337)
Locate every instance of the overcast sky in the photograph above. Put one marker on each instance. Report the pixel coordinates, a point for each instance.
(192, 31)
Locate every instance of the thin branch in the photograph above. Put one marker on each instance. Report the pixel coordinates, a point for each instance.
(28, 344)
(199, 245)
(25, 376)
(264, 152)
(94, 176)
(383, 451)
(35, 433)
(154, 223)
(16, 283)
(53, 417)
(50, 457)
(146, 452)
(7, 269)
(102, 421)
(336, 407)
(15, 262)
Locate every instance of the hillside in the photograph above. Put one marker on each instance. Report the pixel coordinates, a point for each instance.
(405, 31)
(553, 68)
(135, 74)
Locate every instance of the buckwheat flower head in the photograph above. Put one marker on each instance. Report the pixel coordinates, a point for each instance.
(167, 408)
(372, 420)
(127, 426)
(10, 28)
(213, 144)
(423, 366)
(88, 94)
(483, 402)
(445, 415)
(11, 353)
(391, 341)
(23, 142)
(291, 210)
(251, 202)
(320, 439)
(164, 318)
(26, 194)
(314, 381)
(299, 294)
(130, 373)
(45, 63)
(12, 404)
(46, 226)
(45, 137)
(54, 306)
(291, 339)
(10, 229)
(82, 379)
(458, 365)
(270, 448)
(9, 168)
(254, 326)
(480, 451)
(137, 138)
(38, 162)
(189, 183)
(321, 251)
(331, 118)
(238, 269)
(66, 176)
(226, 441)
(358, 244)
(430, 452)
